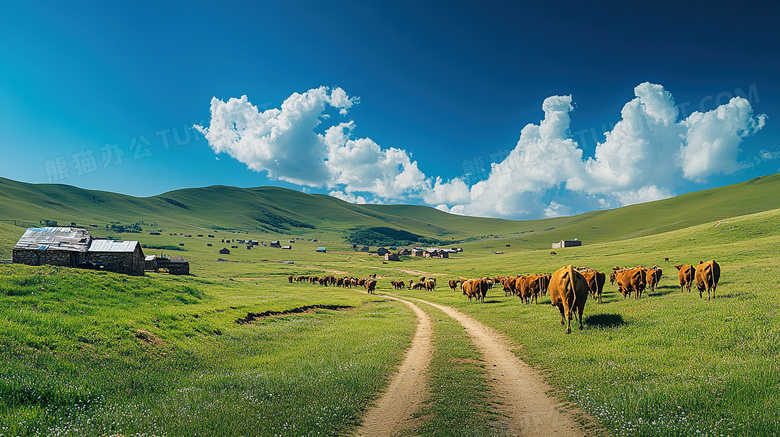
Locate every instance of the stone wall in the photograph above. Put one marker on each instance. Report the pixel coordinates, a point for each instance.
(33, 257)
(120, 262)
(179, 268)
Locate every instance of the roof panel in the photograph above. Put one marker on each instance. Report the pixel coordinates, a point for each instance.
(112, 246)
(73, 239)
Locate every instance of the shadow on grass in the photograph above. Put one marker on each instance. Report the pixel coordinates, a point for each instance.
(605, 321)
(662, 291)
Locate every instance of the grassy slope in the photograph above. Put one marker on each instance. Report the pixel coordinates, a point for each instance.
(253, 209)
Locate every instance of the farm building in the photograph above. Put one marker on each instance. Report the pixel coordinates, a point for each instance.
(276, 243)
(150, 263)
(75, 247)
(436, 253)
(178, 266)
(65, 247)
(418, 252)
(567, 243)
(404, 252)
(392, 257)
(287, 247)
(364, 248)
(321, 249)
(224, 251)
(117, 256)
(382, 251)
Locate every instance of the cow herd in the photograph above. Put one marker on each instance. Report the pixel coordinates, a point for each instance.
(368, 283)
(569, 286)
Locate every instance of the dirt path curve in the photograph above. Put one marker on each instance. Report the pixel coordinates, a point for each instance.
(520, 389)
(409, 387)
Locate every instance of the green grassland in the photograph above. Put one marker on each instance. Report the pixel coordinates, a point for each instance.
(94, 353)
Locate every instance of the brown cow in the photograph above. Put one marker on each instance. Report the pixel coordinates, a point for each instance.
(707, 277)
(430, 284)
(371, 286)
(685, 274)
(569, 292)
(454, 284)
(653, 276)
(530, 287)
(631, 280)
(596, 280)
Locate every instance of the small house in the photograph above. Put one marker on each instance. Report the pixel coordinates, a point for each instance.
(150, 263)
(405, 252)
(178, 266)
(276, 243)
(392, 257)
(287, 247)
(321, 250)
(382, 251)
(418, 252)
(117, 256)
(364, 249)
(224, 251)
(567, 243)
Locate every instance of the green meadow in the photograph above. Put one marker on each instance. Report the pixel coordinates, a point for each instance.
(95, 353)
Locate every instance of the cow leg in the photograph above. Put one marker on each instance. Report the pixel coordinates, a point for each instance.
(563, 315)
(580, 309)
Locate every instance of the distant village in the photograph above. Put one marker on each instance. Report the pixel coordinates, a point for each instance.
(76, 247)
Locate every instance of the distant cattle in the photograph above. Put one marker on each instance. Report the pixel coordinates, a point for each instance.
(569, 292)
(454, 284)
(371, 286)
(398, 285)
(707, 277)
(685, 274)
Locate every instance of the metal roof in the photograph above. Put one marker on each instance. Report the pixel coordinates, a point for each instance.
(112, 246)
(71, 239)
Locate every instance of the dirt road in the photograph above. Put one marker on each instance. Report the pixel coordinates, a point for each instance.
(520, 391)
(408, 388)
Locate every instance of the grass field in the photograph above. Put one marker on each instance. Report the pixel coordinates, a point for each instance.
(92, 353)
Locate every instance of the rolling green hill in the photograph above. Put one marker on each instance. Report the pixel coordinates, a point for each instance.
(282, 211)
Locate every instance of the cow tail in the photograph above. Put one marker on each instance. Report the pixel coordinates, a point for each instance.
(571, 285)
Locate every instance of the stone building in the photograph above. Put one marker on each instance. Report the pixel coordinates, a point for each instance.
(75, 247)
(65, 247)
(117, 256)
(567, 243)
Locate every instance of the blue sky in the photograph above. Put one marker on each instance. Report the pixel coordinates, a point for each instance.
(395, 102)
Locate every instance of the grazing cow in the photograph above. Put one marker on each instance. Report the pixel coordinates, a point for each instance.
(552, 252)
(569, 292)
(653, 276)
(371, 286)
(686, 274)
(430, 284)
(475, 288)
(416, 286)
(468, 288)
(666, 259)
(454, 284)
(509, 286)
(631, 280)
(595, 279)
(532, 287)
(290, 278)
(481, 287)
(707, 277)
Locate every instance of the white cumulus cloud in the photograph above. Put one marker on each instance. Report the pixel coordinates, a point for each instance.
(646, 155)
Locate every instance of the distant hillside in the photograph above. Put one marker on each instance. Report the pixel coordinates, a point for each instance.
(282, 211)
